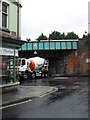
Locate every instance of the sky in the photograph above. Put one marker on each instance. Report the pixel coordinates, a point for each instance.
(46, 16)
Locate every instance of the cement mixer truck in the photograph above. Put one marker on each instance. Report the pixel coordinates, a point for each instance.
(33, 67)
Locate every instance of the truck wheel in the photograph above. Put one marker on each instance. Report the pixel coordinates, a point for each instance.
(25, 76)
(43, 75)
(33, 75)
(46, 74)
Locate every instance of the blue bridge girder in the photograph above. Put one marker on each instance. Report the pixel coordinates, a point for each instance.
(48, 49)
(51, 45)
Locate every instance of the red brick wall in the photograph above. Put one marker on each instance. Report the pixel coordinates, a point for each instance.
(84, 66)
(77, 62)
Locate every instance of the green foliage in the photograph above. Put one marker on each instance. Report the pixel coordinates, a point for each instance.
(63, 36)
(28, 39)
(71, 35)
(58, 36)
(86, 36)
(55, 35)
(42, 37)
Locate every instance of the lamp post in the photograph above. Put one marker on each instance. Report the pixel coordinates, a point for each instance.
(89, 17)
(0, 14)
(89, 28)
(18, 19)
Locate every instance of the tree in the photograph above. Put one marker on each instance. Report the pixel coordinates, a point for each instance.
(86, 35)
(71, 35)
(54, 35)
(62, 36)
(28, 39)
(42, 37)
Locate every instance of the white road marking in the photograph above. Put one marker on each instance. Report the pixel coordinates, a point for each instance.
(61, 78)
(56, 89)
(12, 105)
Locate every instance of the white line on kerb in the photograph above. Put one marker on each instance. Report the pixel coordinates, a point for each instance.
(12, 105)
(56, 89)
(61, 78)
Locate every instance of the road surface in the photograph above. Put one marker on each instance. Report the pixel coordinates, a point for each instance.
(66, 103)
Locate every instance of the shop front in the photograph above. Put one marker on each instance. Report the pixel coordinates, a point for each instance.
(9, 61)
(8, 67)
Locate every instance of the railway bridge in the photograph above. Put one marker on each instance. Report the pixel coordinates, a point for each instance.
(54, 50)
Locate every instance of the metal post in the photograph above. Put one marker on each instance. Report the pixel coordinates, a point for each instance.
(14, 67)
(18, 19)
(89, 17)
(0, 14)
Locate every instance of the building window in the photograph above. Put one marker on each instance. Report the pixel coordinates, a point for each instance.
(4, 15)
(7, 69)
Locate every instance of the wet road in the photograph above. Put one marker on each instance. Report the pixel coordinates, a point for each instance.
(66, 103)
(52, 81)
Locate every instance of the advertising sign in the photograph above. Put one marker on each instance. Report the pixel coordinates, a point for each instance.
(88, 60)
(8, 52)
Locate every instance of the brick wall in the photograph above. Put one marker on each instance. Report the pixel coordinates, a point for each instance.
(77, 62)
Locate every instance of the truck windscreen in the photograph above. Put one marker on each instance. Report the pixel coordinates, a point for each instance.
(23, 62)
(19, 62)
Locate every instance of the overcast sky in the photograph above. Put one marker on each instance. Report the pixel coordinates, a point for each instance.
(45, 16)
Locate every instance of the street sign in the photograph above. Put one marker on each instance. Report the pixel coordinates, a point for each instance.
(88, 60)
(66, 62)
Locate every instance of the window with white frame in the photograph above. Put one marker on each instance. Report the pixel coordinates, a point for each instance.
(4, 15)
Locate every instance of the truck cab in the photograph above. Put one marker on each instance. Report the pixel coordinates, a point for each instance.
(23, 69)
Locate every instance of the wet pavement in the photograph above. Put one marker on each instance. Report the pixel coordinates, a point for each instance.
(24, 93)
(70, 101)
(54, 81)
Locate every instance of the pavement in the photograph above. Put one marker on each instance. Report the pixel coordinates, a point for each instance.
(25, 93)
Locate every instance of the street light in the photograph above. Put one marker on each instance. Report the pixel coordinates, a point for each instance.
(89, 28)
(17, 19)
